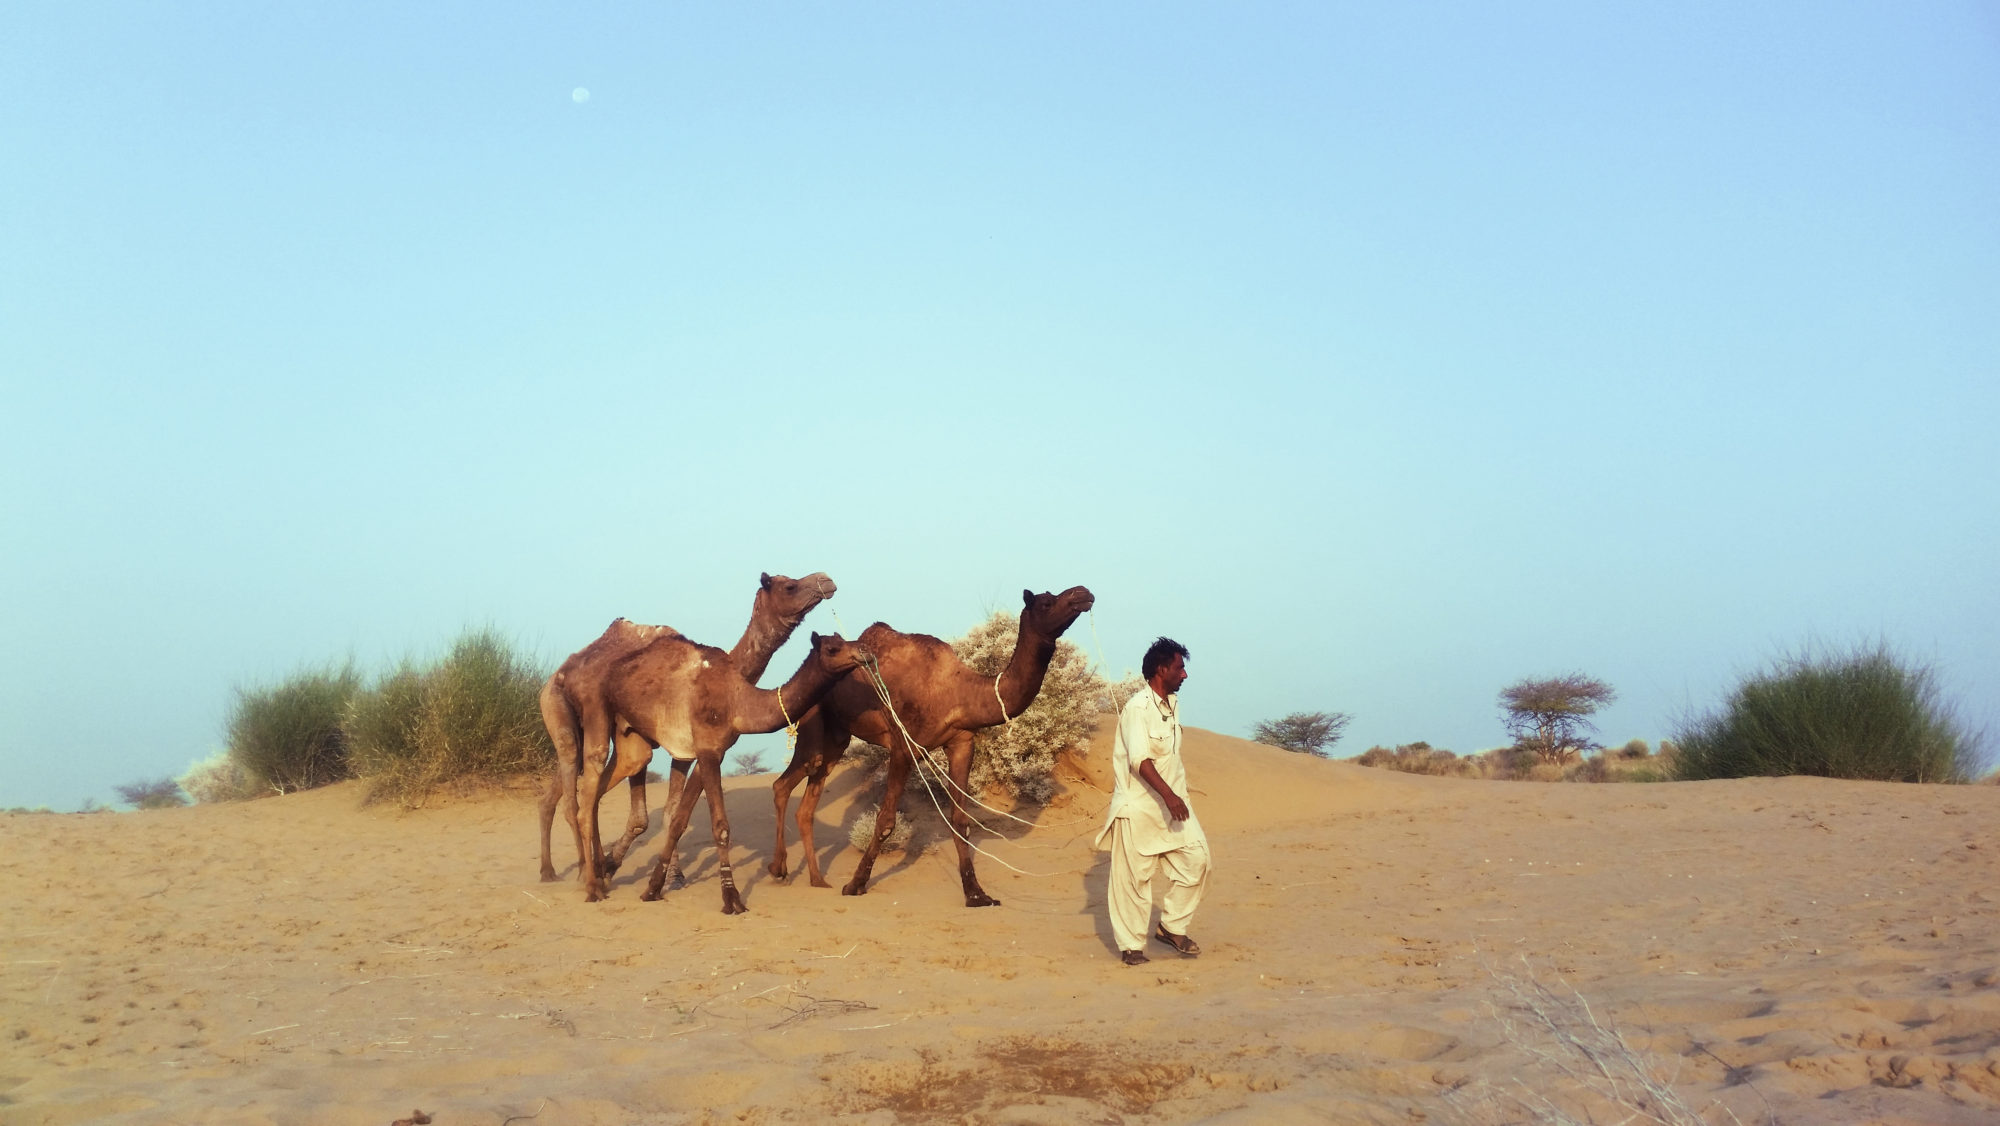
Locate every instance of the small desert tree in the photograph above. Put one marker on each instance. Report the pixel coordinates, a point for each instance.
(154, 793)
(1312, 733)
(1549, 716)
(1020, 756)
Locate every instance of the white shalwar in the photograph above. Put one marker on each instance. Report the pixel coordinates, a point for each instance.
(1142, 838)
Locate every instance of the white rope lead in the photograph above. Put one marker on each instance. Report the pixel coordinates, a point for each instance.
(920, 757)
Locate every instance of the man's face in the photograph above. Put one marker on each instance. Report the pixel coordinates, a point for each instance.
(1173, 674)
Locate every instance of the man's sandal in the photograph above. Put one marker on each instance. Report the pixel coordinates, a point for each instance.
(1180, 942)
(1134, 957)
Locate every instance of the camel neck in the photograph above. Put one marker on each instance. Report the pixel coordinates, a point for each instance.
(761, 710)
(1021, 680)
(762, 638)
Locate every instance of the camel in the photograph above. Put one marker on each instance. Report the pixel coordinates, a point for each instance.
(941, 703)
(692, 700)
(780, 604)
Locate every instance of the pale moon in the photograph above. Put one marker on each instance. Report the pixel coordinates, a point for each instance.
(579, 95)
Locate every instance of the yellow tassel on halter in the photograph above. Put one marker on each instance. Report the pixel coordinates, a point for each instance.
(791, 728)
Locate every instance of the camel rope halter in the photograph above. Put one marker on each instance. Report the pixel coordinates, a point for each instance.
(1004, 718)
(791, 725)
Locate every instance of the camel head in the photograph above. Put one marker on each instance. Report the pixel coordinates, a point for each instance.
(790, 600)
(1050, 614)
(838, 654)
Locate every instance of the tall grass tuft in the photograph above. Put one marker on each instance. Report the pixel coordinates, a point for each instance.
(1864, 715)
(473, 714)
(288, 737)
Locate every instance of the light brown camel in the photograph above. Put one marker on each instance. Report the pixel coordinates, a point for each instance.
(941, 703)
(780, 604)
(691, 700)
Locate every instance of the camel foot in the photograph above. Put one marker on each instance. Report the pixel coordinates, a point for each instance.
(549, 875)
(854, 889)
(593, 893)
(732, 903)
(778, 869)
(981, 899)
(820, 882)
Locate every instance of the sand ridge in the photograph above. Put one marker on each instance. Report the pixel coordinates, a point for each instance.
(1825, 951)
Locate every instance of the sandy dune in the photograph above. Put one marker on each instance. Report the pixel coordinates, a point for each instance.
(1826, 952)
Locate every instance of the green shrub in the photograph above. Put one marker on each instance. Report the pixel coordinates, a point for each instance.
(1866, 715)
(474, 714)
(288, 737)
(153, 793)
(217, 778)
(1020, 756)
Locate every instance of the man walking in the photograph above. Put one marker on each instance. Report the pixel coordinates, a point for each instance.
(1149, 827)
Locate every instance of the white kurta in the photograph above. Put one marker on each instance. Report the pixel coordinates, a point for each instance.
(1143, 838)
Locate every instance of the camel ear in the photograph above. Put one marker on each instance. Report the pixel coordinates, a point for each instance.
(816, 639)
(764, 580)
(1027, 597)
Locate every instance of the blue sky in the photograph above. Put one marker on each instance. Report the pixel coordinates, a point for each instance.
(1383, 354)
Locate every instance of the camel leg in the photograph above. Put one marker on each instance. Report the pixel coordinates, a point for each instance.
(958, 753)
(633, 747)
(807, 757)
(593, 780)
(781, 800)
(669, 863)
(560, 720)
(560, 780)
(885, 821)
(832, 748)
(709, 774)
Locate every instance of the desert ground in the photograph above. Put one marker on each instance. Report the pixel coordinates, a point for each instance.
(1793, 950)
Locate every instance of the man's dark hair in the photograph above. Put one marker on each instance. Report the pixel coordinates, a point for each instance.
(1159, 653)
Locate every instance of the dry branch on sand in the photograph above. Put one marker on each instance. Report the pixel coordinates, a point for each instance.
(1581, 1068)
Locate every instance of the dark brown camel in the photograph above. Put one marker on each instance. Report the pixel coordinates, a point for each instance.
(691, 700)
(780, 604)
(941, 703)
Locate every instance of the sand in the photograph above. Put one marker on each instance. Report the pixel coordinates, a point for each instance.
(1809, 950)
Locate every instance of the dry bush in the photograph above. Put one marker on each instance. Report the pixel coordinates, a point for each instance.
(1019, 756)
(1636, 748)
(1592, 769)
(863, 828)
(1417, 758)
(217, 778)
(1581, 1068)
(474, 714)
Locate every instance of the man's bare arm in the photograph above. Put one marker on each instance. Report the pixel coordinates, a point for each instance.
(1176, 808)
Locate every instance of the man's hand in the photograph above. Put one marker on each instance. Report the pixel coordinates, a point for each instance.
(1176, 808)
